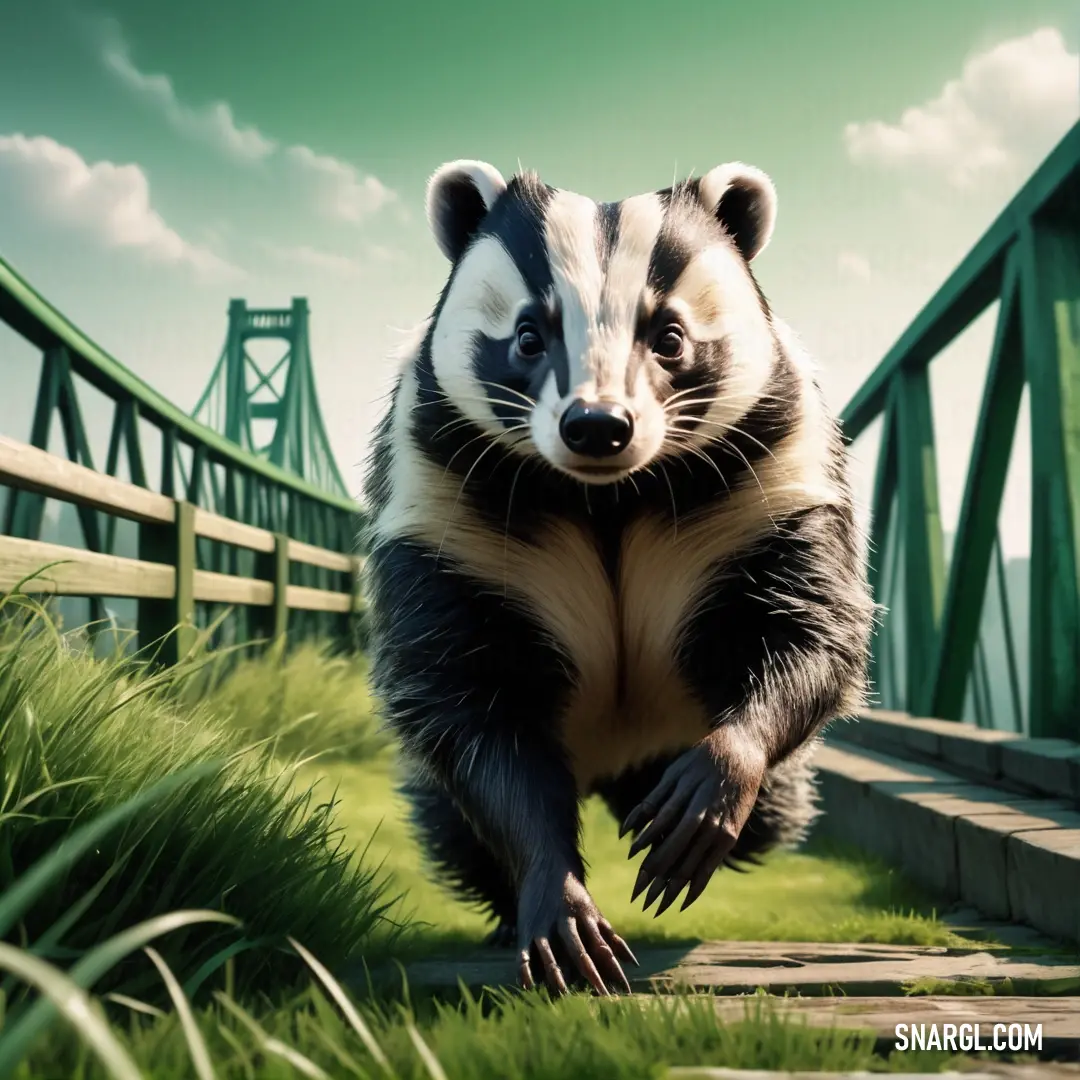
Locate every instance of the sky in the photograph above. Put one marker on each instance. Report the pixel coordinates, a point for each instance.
(157, 160)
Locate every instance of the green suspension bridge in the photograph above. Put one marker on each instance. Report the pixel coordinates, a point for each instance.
(247, 509)
(262, 533)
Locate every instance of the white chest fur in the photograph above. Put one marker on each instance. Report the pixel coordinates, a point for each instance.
(628, 701)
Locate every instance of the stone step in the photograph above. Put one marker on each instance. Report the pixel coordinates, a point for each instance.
(968, 922)
(1010, 856)
(1042, 766)
(810, 968)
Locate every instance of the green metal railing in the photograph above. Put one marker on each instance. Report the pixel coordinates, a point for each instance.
(936, 653)
(933, 655)
(198, 465)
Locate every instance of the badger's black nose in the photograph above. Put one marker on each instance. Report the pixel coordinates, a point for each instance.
(596, 428)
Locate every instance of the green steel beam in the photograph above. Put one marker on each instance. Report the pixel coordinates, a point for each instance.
(30, 315)
(920, 517)
(1050, 309)
(26, 509)
(969, 290)
(1010, 645)
(887, 638)
(112, 465)
(129, 411)
(169, 454)
(56, 393)
(881, 511)
(211, 386)
(1030, 257)
(976, 534)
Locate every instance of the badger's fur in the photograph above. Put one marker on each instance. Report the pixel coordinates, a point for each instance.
(556, 614)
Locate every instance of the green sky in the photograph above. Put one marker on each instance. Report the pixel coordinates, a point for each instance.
(172, 156)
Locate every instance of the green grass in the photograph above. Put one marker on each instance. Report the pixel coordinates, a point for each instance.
(824, 894)
(79, 736)
(309, 702)
(243, 834)
(512, 1038)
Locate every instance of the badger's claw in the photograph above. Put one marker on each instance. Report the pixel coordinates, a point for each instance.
(558, 913)
(693, 817)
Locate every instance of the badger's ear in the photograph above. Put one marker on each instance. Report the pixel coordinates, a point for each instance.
(459, 195)
(744, 201)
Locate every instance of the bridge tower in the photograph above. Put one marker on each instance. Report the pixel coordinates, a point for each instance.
(243, 392)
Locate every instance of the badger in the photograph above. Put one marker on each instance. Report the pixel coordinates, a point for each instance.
(612, 550)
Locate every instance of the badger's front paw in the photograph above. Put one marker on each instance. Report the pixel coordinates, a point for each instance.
(557, 910)
(693, 817)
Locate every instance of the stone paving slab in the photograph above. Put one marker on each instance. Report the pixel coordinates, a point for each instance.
(1014, 857)
(806, 968)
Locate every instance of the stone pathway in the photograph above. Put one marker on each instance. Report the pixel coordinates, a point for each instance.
(807, 969)
(852, 987)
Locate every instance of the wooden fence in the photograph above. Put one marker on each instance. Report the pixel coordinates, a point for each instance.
(165, 579)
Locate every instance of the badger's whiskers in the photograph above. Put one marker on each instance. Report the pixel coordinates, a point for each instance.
(530, 401)
(492, 444)
(684, 442)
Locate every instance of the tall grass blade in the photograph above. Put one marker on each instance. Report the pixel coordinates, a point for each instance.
(219, 960)
(269, 1045)
(18, 898)
(200, 1056)
(337, 992)
(47, 945)
(431, 1062)
(74, 1004)
(135, 1005)
(346, 1061)
(90, 968)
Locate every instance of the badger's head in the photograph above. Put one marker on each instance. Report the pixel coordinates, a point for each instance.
(602, 336)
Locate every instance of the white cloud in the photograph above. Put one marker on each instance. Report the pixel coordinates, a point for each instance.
(332, 262)
(1004, 113)
(107, 201)
(382, 253)
(340, 191)
(215, 123)
(313, 258)
(337, 189)
(853, 266)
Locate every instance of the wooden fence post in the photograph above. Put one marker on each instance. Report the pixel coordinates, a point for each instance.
(273, 566)
(170, 623)
(281, 586)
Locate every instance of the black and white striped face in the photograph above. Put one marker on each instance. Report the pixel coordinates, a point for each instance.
(601, 336)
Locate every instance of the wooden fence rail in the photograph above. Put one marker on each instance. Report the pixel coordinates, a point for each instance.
(165, 578)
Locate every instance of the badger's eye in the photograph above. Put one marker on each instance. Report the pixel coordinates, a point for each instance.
(529, 343)
(669, 343)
